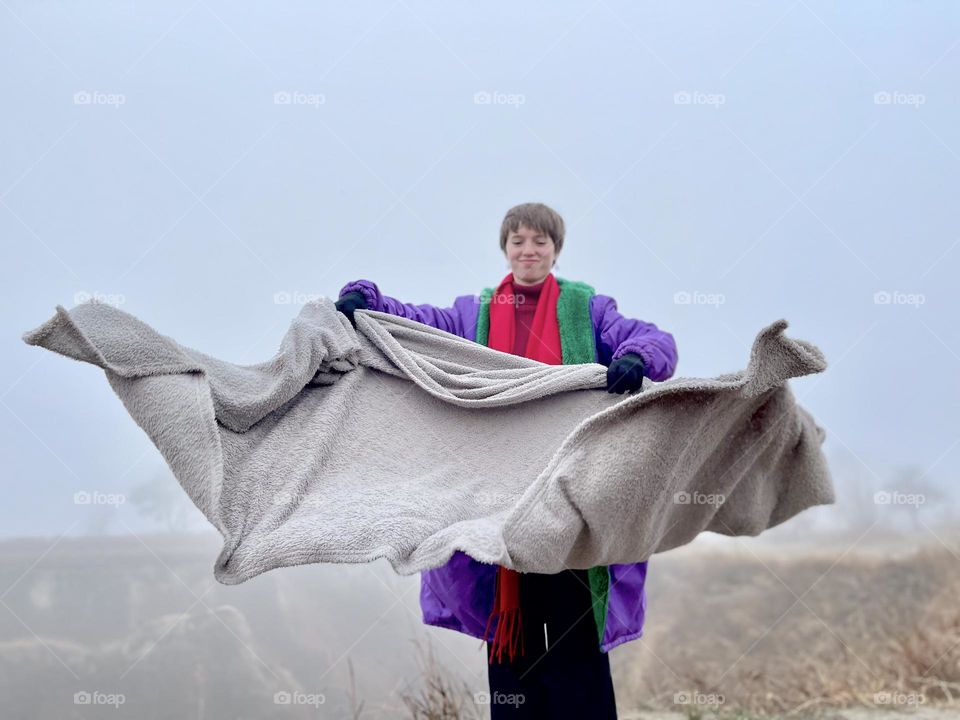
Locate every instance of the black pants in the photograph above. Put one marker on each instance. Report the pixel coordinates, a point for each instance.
(562, 675)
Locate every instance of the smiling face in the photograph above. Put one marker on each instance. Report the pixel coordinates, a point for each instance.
(531, 254)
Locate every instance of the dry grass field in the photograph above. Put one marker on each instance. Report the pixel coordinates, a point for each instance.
(739, 629)
(863, 633)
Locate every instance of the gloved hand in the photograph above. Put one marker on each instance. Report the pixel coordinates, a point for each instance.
(350, 302)
(625, 373)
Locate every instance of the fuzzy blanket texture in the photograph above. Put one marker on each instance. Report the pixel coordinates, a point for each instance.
(402, 441)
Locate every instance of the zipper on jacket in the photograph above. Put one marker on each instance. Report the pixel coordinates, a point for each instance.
(546, 645)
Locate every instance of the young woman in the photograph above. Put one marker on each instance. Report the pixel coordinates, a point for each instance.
(556, 629)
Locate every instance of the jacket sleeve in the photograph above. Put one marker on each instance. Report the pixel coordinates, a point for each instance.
(448, 319)
(618, 335)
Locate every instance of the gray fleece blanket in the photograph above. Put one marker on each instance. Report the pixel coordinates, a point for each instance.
(402, 441)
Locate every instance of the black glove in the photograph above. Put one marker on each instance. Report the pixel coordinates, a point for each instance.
(350, 302)
(625, 373)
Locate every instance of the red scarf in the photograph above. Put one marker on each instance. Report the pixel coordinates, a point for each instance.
(543, 345)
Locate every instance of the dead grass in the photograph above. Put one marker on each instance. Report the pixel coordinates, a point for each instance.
(440, 695)
(791, 635)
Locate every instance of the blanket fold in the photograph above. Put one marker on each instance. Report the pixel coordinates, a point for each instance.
(402, 441)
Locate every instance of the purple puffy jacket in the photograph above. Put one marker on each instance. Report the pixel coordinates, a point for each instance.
(459, 595)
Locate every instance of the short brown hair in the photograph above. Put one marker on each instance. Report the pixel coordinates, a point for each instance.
(536, 216)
